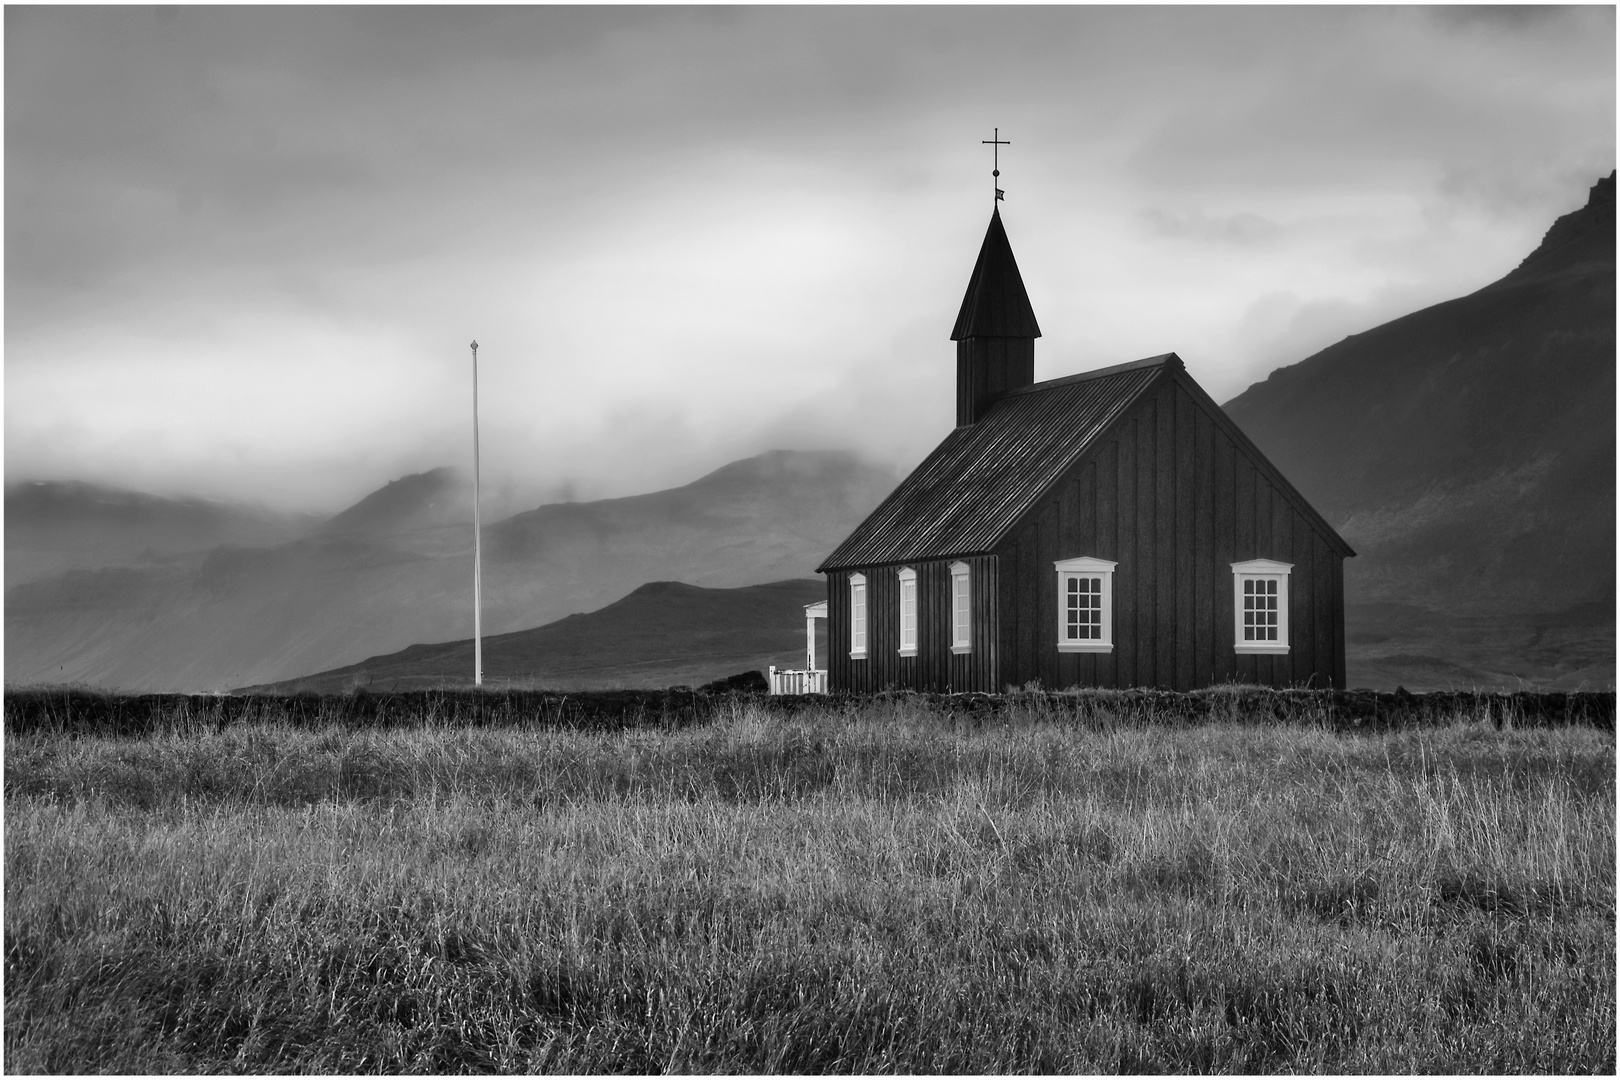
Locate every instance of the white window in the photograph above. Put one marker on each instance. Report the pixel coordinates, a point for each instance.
(857, 616)
(1085, 605)
(908, 612)
(961, 608)
(1260, 605)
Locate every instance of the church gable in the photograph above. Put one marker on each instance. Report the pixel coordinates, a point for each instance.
(1191, 399)
(1174, 500)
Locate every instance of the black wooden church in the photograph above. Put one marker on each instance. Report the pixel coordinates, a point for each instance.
(1111, 528)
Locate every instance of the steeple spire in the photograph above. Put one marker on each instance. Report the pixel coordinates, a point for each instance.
(995, 329)
(996, 304)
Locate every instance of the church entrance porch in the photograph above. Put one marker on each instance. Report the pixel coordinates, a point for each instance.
(810, 680)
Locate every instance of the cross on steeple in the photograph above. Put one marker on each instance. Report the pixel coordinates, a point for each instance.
(996, 143)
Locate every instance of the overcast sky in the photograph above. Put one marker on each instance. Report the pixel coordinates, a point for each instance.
(246, 248)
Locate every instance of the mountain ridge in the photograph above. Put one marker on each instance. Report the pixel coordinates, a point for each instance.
(438, 496)
(1573, 239)
(54, 526)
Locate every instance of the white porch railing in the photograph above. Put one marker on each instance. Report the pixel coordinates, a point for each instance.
(798, 682)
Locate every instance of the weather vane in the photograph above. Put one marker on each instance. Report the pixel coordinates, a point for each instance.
(995, 143)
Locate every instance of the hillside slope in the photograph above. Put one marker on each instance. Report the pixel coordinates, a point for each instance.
(664, 633)
(427, 500)
(368, 585)
(1467, 451)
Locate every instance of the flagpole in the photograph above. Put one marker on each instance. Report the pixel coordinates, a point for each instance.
(478, 550)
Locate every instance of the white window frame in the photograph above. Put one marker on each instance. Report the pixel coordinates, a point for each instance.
(1261, 570)
(857, 617)
(961, 608)
(908, 597)
(1085, 567)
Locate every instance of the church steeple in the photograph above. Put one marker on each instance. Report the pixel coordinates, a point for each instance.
(995, 330)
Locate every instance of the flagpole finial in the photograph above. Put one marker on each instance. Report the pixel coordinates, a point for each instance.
(475, 346)
(996, 142)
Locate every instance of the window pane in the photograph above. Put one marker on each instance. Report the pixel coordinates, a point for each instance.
(1080, 600)
(908, 613)
(857, 601)
(1263, 598)
(960, 608)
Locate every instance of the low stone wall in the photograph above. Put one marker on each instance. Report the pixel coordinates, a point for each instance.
(77, 711)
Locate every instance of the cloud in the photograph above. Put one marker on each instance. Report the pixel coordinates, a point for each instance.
(265, 235)
(1242, 229)
(1499, 17)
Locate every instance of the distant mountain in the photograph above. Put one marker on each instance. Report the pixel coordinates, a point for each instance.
(396, 569)
(55, 526)
(778, 513)
(1467, 452)
(427, 500)
(664, 633)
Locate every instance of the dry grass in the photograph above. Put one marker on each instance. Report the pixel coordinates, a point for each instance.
(867, 889)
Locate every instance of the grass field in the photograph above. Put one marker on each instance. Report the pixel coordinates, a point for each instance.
(868, 887)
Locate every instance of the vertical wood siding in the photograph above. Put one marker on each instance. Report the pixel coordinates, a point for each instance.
(1205, 581)
(1174, 501)
(1145, 632)
(934, 667)
(1125, 606)
(1164, 520)
(988, 367)
(1184, 436)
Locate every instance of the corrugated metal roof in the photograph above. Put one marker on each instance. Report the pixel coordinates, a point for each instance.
(977, 483)
(996, 304)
